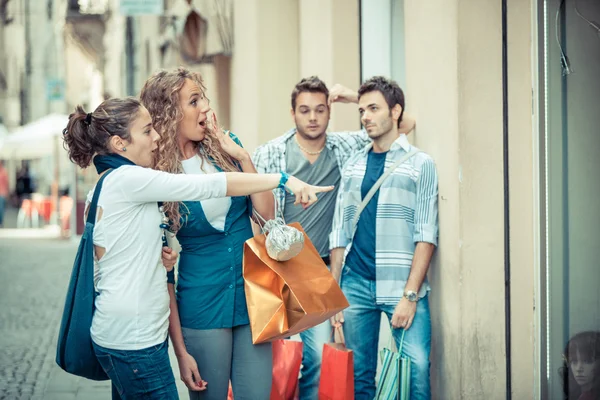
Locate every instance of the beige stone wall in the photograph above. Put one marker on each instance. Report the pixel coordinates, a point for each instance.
(454, 83)
(276, 44)
(524, 201)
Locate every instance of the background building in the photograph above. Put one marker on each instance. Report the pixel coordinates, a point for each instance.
(505, 95)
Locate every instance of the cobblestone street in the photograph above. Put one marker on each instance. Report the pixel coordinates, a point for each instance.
(34, 274)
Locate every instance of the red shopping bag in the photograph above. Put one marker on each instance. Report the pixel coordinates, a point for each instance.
(287, 358)
(337, 371)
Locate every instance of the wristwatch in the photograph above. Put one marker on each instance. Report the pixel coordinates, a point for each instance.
(411, 296)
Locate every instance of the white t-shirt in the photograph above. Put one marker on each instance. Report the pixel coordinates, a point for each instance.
(215, 210)
(132, 308)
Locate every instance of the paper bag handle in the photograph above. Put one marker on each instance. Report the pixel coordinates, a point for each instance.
(340, 331)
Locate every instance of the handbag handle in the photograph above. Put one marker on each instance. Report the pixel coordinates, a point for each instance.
(91, 218)
(379, 182)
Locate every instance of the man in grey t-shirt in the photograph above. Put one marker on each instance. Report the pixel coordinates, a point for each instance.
(311, 154)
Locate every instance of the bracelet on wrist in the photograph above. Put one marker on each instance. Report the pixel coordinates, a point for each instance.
(283, 180)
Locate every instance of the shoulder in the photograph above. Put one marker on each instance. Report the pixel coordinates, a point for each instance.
(274, 145)
(423, 161)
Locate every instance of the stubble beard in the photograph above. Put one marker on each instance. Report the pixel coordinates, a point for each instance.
(309, 137)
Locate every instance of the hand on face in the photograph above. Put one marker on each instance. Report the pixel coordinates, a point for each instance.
(227, 143)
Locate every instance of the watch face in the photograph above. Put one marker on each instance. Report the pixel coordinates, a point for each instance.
(411, 296)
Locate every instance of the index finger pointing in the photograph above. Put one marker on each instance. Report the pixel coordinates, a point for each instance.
(321, 189)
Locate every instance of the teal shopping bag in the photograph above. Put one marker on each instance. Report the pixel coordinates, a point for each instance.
(394, 381)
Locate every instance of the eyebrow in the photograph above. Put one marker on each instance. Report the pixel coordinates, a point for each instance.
(194, 94)
(317, 106)
(147, 125)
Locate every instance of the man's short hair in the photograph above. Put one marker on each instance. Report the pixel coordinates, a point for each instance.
(313, 85)
(388, 88)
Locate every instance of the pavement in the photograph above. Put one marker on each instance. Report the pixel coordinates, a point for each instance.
(34, 275)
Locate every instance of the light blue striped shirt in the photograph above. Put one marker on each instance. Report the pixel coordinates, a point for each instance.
(407, 213)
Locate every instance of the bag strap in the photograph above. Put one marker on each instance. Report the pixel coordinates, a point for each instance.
(340, 331)
(379, 182)
(392, 342)
(91, 218)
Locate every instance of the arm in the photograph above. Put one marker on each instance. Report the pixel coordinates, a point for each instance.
(262, 161)
(146, 185)
(342, 94)
(188, 368)
(420, 266)
(425, 237)
(263, 202)
(338, 243)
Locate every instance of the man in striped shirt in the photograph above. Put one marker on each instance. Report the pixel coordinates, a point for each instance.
(382, 260)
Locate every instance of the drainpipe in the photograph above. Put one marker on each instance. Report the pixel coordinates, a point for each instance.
(507, 313)
(25, 88)
(129, 58)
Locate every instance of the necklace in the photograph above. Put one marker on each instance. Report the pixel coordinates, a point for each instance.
(312, 153)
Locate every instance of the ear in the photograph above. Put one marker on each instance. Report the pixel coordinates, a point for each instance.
(396, 111)
(292, 113)
(117, 144)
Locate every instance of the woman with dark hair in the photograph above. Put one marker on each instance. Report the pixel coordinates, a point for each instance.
(581, 369)
(130, 323)
(209, 324)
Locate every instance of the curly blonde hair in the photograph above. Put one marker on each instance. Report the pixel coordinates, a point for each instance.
(160, 95)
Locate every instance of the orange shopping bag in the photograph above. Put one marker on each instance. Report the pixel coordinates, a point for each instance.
(288, 297)
(337, 371)
(287, 358)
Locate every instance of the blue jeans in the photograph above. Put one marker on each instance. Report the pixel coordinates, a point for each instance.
(361, 329)
(139, 374)
(313, 340)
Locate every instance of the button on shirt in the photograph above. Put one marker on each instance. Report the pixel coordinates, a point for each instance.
(407, 213)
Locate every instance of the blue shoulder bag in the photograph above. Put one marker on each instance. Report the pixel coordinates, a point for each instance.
(75, 353)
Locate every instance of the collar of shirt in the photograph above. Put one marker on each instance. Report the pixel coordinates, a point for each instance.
(400, 143)
(289, 134)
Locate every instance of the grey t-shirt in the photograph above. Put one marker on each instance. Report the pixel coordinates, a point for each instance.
(317, 219)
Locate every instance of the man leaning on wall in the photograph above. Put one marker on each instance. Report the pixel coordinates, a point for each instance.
(381, 262)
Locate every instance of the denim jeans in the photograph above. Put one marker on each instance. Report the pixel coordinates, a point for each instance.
(313, 340)
(139, 374)
(361, 329)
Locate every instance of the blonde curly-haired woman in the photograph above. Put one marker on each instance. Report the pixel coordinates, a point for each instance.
(209, 323)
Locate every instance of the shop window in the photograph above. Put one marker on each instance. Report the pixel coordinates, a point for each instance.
(570, 148)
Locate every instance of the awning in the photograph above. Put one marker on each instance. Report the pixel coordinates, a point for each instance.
(35, 140)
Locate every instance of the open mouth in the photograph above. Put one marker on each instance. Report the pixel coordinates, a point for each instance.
(203, 123)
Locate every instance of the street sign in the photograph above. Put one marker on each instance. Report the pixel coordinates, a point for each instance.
(55, 89)
(141, 7)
